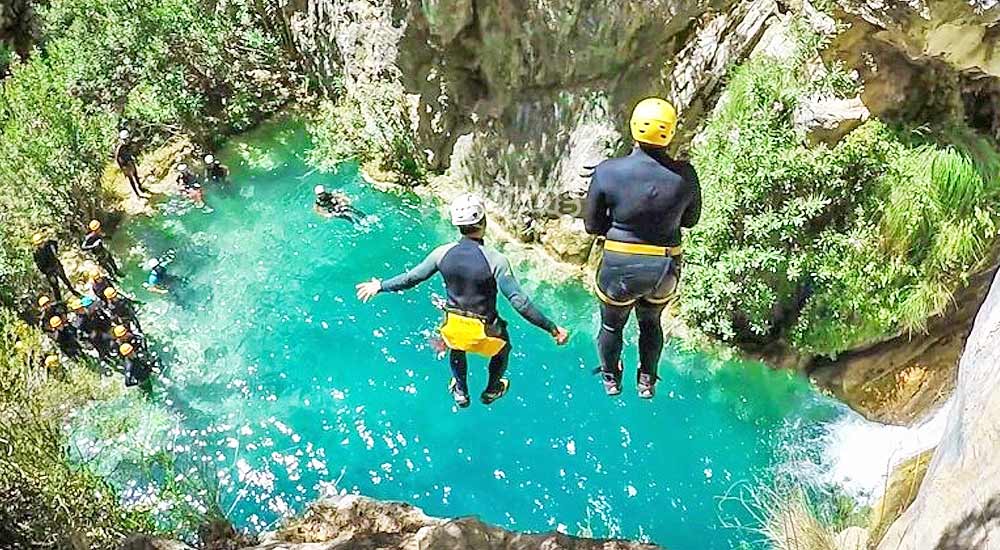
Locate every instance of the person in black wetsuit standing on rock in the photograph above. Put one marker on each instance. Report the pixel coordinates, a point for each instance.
(473, 276)
(93, 242)
(47, 259)
(639, 203)
(125, 156)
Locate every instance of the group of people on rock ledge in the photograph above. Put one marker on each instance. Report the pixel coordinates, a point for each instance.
(638, 204)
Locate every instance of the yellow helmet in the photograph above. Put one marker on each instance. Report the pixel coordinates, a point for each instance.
(94, 225)
(110, 293)
(654, 121)
(56, 322)
(75, 304)
(126, 349)
(93, 271)
(37, 238)
(119, 331)
(51, 361)
(44, 301)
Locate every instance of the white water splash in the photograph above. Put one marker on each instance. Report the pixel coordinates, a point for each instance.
(859, 455)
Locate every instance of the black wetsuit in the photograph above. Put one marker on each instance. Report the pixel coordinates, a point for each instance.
(137, 370)
(188, 182)
(99, 285)
(47, 260)
(643, 198)
(216, 172)
(125, 157)
(337, 206)
(473, 276)
(95, 326)
(94, 243)
(122, 312)
(67, 339)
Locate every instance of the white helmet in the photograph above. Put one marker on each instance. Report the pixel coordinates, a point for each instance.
(209, 159)
(467, 209)
(152, 263)
(123, 134)
(182, 167)
(319, 189)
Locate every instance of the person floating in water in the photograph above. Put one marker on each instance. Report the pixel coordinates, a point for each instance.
(473, 275)
(189, 185)
(125, 156)
(93, 242)
(336, 205)
(215, 171)
(639, 203)
(157, 279)
(47, 260)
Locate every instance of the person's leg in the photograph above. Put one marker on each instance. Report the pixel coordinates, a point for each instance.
(498, 363)
(132, 174)
(650, 336)
(460, 370)
(61, 273)
(609, 344)
(109, 264)
(54, 283)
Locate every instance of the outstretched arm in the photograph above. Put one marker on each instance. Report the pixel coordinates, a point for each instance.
(423, 271)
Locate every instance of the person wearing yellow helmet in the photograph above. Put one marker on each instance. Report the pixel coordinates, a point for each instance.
(96, 280)
(474, 274)
(120, 309)
(47, 308)
(93, 242)
(125, 156)
(639, 203)
(47, 259)
(52, 363)
(64, 335)
(137, 368)
(123, 335)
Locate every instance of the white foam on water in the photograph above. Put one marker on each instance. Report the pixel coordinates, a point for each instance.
(859, 455)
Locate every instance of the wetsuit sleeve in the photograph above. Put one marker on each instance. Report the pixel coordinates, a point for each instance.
(508, 285)
(91, 242)
(693, 212)
(423, 271)
(596, 216)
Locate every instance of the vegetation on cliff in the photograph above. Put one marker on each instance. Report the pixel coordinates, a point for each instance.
(157, 68)
(830, 248)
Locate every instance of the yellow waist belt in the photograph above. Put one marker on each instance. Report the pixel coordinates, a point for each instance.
(465, 333)
(642, 249)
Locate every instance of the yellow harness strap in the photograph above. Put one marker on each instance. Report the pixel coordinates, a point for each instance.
(467, 333)
(642, 249)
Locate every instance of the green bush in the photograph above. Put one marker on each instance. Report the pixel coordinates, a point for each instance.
(367, 125)
(45, 501)
(830, 248)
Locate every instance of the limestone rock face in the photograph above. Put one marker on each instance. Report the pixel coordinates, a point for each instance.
(537, 91)
(358, 523)
(958, 504)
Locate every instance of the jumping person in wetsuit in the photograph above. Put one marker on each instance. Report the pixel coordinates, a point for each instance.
(94, 242)
(125, 157)
(640, 203)
(47, 259)
(473, 275)
(335, 205)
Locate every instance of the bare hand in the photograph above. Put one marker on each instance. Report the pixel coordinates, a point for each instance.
(561, 336)
(366, 291)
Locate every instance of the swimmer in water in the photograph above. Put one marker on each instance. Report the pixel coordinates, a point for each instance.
(157, 278)
(335, 205)
(189, 185)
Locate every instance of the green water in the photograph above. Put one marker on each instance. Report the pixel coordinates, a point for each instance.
(282, 387)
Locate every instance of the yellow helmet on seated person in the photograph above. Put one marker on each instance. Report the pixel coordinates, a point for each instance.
(56, 322)
(94, 225)
(44, 301)
(110, 293)
(126, 350)
(38, 238)
(654, 122)
(51, 361)
(119, 331)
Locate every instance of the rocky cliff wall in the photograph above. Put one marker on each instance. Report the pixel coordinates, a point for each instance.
(958, 505)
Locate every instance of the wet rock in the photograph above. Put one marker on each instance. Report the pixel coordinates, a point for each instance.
(358, 523)
(958, 504)
(828, 119)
